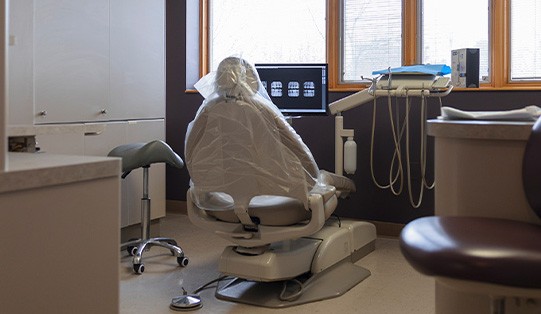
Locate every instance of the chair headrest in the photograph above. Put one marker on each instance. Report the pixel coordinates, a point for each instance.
(236, 77)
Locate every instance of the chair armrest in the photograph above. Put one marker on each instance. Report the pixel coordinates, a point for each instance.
(343, 185)
(266, 234)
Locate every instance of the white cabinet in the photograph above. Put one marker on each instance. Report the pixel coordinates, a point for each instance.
(99, 60)
(71, 59)
(101, 143)
(85, 62)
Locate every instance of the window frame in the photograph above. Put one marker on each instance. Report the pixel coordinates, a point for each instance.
(499, 47)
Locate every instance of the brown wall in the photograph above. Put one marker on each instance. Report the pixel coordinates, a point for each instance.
(318, 133)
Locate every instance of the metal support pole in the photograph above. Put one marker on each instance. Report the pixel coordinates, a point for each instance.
(145, 207)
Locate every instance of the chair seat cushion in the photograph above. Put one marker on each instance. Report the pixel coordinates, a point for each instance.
(489, 250)
(270, 210)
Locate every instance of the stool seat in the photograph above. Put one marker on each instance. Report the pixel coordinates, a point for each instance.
(478, 249)
(137, 155)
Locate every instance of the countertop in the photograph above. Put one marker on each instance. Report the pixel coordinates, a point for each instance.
(33, 170)
(480, 129)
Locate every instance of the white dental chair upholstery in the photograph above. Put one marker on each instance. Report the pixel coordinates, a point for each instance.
(255, 183)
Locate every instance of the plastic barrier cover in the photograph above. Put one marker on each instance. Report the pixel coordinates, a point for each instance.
(240, 143)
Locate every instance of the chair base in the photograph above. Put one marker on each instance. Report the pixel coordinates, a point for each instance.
(136, 248)
(336, 241)
(330, 283)
(319, 262)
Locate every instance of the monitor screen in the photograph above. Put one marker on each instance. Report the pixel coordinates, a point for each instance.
(296, 88)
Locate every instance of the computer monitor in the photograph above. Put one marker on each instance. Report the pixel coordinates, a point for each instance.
(296, 88)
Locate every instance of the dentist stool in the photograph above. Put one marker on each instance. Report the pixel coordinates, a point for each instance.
(496, 257)
(142, 155)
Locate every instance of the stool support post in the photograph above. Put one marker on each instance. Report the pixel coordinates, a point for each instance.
(145, 207)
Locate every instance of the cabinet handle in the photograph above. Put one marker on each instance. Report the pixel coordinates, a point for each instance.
(43, 113)
(92, 133)
(103, 111)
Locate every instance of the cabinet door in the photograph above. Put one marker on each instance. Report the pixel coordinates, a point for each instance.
(21, 83)
(65, 139)
(71, 59)
(137, 59)
(100, 144)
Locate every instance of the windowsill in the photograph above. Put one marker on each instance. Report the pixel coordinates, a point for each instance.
(480, 89)
(503, 88)
(456, 89)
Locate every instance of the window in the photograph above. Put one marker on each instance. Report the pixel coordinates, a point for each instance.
(525, 40)
(356, 37)
(446, 26)
(372, 37)
(262, 31)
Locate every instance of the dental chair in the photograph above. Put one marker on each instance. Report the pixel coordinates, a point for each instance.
(484, 256)
(255, 183)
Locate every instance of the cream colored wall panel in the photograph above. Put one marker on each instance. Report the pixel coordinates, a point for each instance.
(71, 262)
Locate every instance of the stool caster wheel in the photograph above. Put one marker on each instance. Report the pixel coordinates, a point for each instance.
(182, 261)
(131, 250)
(138, 268)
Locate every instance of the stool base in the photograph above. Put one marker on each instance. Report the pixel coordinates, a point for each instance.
(136, 248)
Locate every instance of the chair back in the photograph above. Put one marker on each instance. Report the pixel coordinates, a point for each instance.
(531, 169)
(241, 145)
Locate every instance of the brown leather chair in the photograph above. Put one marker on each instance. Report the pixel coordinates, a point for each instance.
(491, 256)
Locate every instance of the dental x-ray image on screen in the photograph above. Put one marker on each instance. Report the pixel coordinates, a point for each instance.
(296, 88)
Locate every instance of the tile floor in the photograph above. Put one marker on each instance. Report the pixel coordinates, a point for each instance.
(393, 287)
